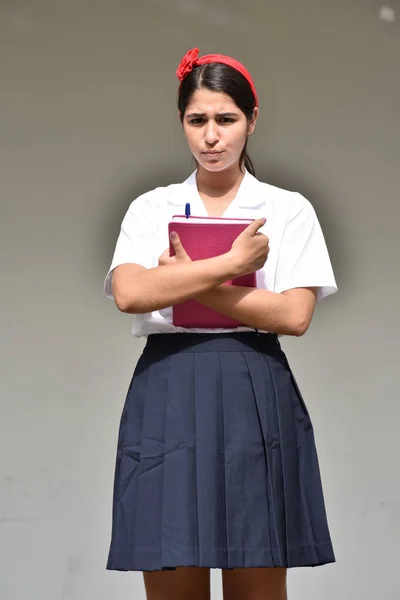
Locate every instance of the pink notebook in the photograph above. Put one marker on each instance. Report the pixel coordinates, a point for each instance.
(206, 237)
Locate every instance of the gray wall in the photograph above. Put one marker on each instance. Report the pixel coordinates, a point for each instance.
(88, 121)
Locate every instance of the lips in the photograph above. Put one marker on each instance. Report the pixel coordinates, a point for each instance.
(213, 153)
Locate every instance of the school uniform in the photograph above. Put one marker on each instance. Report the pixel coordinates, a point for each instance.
(216, 460)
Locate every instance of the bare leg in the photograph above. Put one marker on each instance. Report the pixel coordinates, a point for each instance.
(254, 584)
(185, 583)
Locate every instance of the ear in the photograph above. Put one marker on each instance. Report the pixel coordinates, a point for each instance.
(252, 124)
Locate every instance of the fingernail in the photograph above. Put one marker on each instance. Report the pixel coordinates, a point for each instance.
(174, 234)
(263, 219)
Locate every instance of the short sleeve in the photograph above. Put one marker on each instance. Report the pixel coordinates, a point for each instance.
(135, 241)
(303, 259)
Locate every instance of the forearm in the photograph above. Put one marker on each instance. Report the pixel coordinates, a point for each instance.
(157, 288)
(259, 308)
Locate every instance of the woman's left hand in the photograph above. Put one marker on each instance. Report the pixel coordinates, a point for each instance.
(180, 254)
(166, 259)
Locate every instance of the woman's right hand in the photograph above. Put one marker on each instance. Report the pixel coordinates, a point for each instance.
(250, 249)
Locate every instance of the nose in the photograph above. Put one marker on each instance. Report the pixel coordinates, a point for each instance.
(211, 133)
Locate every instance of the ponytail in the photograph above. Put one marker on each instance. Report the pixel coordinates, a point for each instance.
(249, 165)
(246, 161)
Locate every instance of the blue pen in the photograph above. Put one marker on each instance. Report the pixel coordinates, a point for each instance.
(187, 210)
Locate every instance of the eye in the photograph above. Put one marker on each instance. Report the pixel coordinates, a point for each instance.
(226, 120)
(197, 121)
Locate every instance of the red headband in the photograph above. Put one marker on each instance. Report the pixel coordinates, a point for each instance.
(191, 60)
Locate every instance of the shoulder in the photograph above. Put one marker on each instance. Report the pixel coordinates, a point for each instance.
(155, 200)
(284, 200)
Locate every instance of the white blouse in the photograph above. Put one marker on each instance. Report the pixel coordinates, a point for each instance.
(298, 254)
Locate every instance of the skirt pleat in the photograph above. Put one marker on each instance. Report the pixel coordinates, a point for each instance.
(265, 402)
(216, 460)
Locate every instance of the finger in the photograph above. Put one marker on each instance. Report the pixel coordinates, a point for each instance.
(262, 235)
(164, 256)
(253, 228)
(180, 251)
(167, 261)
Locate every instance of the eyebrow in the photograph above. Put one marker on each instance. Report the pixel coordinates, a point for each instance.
(225, 114)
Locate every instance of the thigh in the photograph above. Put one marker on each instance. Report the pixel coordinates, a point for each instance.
(181, 584)
(254, 584)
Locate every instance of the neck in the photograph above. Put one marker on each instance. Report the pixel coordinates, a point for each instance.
(219, 183)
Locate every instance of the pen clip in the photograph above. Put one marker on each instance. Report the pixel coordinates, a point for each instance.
(187, 210)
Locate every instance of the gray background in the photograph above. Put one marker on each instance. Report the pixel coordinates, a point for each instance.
(88, 121)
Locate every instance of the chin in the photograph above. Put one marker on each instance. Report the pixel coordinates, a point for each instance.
(214, 166)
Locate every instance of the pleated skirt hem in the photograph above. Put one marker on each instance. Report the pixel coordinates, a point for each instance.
(143, 559)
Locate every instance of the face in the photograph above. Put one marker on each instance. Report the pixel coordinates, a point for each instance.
(216, 130)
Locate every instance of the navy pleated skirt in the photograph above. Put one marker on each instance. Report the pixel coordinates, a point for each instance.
(216, 461)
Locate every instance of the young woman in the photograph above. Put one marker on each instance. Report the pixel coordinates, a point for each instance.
(216, 461)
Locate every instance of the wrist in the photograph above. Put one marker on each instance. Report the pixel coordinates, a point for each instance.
(235, 265)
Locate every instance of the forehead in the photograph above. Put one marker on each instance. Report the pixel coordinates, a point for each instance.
(208, 102)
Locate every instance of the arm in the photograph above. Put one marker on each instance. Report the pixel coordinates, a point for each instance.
(304, 274)
(140, 290)
(287, 313)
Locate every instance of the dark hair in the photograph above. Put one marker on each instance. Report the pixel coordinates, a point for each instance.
(219, 77)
